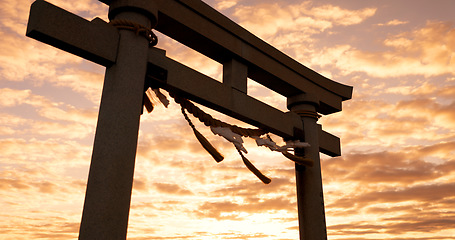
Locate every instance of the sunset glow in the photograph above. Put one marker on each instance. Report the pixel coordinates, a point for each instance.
(395, 179)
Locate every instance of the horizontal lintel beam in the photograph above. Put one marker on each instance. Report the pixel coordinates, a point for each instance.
(205, 90)
(329, 144)
(94, 40)
(176, 77)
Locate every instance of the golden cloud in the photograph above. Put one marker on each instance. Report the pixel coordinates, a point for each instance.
(67, 131)
(24, 59)
(11, 124)
(86, 8)
(222, 5)
(14, 97)
(339, 15)
(394, 22)
(380, 124)
(85, 82)
(268, 19)
(230, 210)
(169, 188)
(51, 153)
(426, 51)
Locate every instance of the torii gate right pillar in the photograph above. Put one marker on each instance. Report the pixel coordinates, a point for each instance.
(310, 199)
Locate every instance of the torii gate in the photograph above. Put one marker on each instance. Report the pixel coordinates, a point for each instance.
(132, 64)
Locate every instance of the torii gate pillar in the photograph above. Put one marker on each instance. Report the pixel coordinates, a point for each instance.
(310, 199)
(108, 194)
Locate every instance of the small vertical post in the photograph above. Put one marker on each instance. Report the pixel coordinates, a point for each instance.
(235, 75)
(310, 199)
(109, 187)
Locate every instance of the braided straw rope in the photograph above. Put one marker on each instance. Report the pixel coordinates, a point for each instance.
(137, 28)
(208, 120)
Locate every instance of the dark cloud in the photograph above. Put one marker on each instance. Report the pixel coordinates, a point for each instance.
(400, 238)
(140, 185)
(396, 226)
(46, 187)
(142, 205)
(247, 236)
(26, 184)
(166, 237)
(408, 165)
(418, 223)
(174, 189)
(8, 184)
(255, 188)
(424, 193)
(54, 230)
(227, 210)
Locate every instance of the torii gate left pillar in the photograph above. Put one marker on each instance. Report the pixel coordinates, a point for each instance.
(125, 54)
(106, 211)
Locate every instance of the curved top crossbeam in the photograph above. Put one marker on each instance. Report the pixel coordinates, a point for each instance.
(202, 28)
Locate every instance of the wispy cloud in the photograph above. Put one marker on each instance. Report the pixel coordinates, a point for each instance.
(222, 5)
(268, 19)
(394, 22)
(425, 51)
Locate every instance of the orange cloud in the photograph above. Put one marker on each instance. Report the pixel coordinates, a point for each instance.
(10, 124)
(8, 184)
(394, 22)
(62, 121)
(168, 188)
(379, 124)
(426, 51)
(404, 167)
(87, 83)
(14, 97)
(268, 19)
(341, 16)
(24, 59)
(222, 5)
(232, 211)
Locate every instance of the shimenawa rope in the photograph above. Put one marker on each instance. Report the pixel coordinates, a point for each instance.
(208, 120)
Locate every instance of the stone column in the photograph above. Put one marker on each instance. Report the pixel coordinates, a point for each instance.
(310, 198)
(108, 195)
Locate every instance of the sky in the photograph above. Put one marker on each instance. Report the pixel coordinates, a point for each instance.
(394, 180)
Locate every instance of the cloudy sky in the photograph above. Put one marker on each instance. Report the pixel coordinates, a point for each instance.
(395, 179)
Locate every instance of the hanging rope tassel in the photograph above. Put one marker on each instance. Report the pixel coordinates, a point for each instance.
(253, 169)
(299, 160)
(148, 103)
(204, 142)
(161, 97)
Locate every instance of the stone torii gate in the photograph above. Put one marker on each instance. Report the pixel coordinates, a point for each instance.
(132, 64)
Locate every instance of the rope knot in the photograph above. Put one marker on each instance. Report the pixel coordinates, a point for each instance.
(136, 28)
